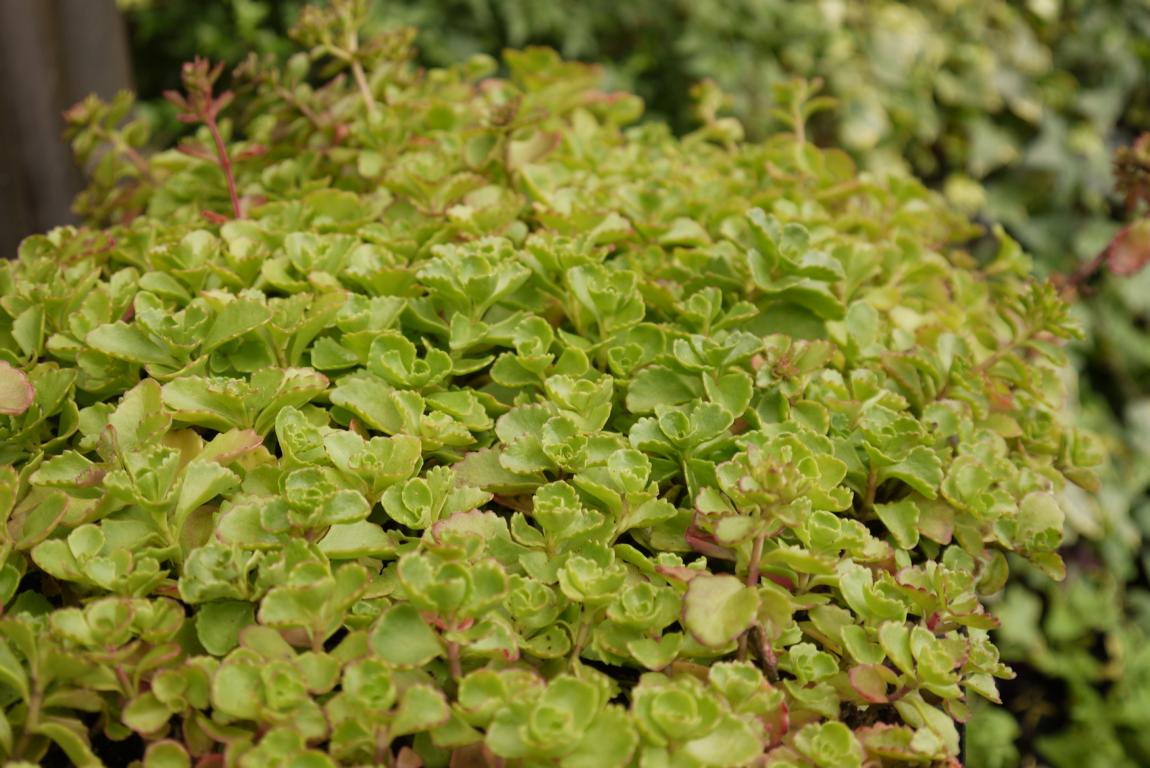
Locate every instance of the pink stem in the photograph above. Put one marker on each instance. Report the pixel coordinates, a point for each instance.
(225, 166)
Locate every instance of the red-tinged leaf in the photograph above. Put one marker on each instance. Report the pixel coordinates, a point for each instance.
(177, 99)
(471, 756)
(229, 446)
(222, 101)
(890, 741)
(718, 608)
(194, 150)
(678, 572)
(407, 758)
(782, 581)
(705, 544)
(778, 725)
(16, 392)
(1129, 251)
(871, 680)
(252, 151)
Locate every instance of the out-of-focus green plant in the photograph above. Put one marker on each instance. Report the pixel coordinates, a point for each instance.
(1083, 695)
(163, 34)
(421, 417)
(1013, 107)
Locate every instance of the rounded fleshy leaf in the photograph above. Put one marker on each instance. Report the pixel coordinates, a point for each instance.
(717, 609)
(16, 391)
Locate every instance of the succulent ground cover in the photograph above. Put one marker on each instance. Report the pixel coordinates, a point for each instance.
(405, 417)
(1014, 107)
(1080, 647)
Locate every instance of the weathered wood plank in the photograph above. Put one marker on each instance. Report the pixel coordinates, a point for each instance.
(52, 54)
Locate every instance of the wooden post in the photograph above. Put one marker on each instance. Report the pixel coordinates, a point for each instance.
(52, 54)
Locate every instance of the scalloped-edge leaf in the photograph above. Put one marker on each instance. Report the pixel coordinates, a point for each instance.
(717, 609)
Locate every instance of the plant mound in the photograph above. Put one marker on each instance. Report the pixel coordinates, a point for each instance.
(1015, 107)
(412, 417)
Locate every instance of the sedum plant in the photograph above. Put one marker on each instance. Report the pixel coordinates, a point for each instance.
(1080, 647)
(1013, 107)
(413, 417)
(1083, 643)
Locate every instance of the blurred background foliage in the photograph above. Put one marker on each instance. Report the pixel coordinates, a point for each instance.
(1014, 108)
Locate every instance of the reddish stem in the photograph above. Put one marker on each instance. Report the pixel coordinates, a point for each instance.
(453, 660)
(767, 655)
(756, 557)
(225, 165)
(898, 694)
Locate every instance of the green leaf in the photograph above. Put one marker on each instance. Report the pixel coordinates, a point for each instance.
(203, 481)
(28, 331)
(656, 654)
(166, 754)
(808, 664)
(870, 681)
(1040, 520)
(921, 470)
(146, 714)
(219, 623)
(901, 519)
(857, 585)
(379, 406)
(732, 742)
(237, 690)
(234, 320)
(12, 672)
(355, 540)
(69, 470)
(127, 342)
(717, 609)
(609, 741)
(140, 418)
(860, 646)
(656, 385)
(421, 708)
(483, 469)
(403, 638)
(895, 640)
(830, 745)
(217, 404)
(647, 514)
(71, 736)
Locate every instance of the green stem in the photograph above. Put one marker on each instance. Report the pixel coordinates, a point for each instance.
(364, 89)
(581, 638)
(871, 490)
(753, 567)
(31, 723)
(983, 368)
(383, 755)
